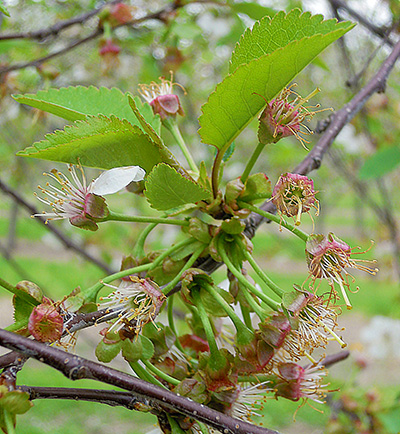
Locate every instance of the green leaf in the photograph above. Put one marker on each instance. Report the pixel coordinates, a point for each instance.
(147, 128)
(252, 9)
(166, 188)
(101, 142)
(3, 8)
(236, 101)
(382, 162)
(75, 103)
(268, 35)
(22, 310)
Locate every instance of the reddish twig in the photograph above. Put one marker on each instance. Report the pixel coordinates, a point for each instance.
(76, 368)
(55, 29)
(65, 241)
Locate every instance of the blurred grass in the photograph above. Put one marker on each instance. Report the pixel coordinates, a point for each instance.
(60, 274)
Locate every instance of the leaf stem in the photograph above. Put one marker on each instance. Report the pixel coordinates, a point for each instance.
(275, 219)
(144, 375)
(112, 216)
(171, 322)
(252, 161)
(91, 293)
(208, 330)
(246, 316)
(240, 327)
(138, 249)
(215, 172)
(172, 126)
(8, 422)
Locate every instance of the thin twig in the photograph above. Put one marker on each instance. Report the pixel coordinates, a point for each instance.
(76, 368)
(55, 29)
(160, 15)
(110, 397)
(67, 242)
(40, 60)
(379, 31)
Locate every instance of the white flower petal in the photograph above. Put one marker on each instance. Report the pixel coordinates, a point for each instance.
(116, 179)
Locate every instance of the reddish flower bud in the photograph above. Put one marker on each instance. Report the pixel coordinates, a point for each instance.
(109, 52)
(108, 47)
(120, 13)
(46, 322)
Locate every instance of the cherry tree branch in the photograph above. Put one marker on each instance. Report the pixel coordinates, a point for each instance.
(64, 240)
(76, 368)
(379, 31)
(161, 15)
(55, 29)
(109, 397)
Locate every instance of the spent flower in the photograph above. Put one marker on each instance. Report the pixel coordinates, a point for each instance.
(242, 402)
(293, 195)
(137, 302)
(46, 321)
(81, 203)
(316, 320)
(284, 118)
(295, 382)
(328, 258)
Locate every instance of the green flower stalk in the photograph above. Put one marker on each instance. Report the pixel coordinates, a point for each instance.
(217, 361)
(242, 279)
(296, 231)
(243, 334)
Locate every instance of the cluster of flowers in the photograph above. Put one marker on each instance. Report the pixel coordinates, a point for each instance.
(229, 367)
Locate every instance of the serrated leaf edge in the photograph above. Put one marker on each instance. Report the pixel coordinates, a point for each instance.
(151, 175)
(244, 65)
(132, 128)
(257, 24)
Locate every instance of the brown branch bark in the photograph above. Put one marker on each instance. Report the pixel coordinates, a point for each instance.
(101, 396)
(379, 31)
(76, 368)
(160, 15)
